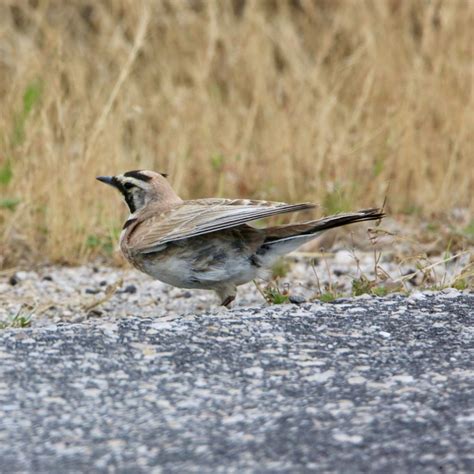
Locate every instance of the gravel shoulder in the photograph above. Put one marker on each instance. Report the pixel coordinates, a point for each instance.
(58, 294)
(359, 385)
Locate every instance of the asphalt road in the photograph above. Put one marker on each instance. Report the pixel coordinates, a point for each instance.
(366, 385)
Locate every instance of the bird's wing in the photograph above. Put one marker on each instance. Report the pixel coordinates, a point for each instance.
(202, 216)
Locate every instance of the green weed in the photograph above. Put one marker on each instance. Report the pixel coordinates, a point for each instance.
(103, 243)
(380, 291)
(327, 297)
(273, 295)
(361, 286)
(468, 231)
(378, 167)
(460, 284)
(9, 203)
(6, 173)
(217, 162)
(31, 98)
(22, 319)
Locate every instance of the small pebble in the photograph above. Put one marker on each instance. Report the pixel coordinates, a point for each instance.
(91, 291)
(78, 319)
(132, 289)
(13, 280)
(94, 313)
(297, 299)
(48, 278)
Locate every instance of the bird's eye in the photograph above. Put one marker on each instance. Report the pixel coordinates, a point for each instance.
(128, 185)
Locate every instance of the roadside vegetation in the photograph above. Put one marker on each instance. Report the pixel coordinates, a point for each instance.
(336, 102)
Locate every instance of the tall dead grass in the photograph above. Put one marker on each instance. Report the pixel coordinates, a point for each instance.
(328, 101)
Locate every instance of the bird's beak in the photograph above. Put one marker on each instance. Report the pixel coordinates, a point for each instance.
(107, 180)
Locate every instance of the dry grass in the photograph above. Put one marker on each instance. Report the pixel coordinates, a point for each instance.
(323, 100)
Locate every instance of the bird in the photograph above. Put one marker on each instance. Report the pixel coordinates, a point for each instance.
(209, 244)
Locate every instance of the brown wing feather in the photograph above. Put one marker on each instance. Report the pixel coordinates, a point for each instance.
(193, 218)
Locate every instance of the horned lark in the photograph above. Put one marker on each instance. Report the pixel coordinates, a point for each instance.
(207, 243)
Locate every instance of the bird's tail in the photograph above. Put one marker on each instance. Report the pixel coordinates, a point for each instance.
(284, 239)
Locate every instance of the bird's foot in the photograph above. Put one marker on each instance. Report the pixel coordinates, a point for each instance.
(228, 300)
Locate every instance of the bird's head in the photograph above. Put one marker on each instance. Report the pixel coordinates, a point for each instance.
(139, 187)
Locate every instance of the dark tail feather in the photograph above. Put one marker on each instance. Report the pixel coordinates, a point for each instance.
(349, 218)
(282, 233)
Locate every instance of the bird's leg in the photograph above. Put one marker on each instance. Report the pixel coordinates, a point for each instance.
(227, 295)
(228, 301)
